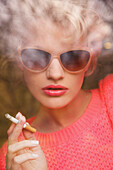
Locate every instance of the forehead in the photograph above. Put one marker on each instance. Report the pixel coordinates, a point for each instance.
(52, 37)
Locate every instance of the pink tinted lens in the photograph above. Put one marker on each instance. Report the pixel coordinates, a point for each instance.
(75, 60)
(35, 59)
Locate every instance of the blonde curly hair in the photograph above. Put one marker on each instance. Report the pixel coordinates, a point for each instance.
(18, 18)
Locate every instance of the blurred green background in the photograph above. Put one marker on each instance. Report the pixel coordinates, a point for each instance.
(14, 96)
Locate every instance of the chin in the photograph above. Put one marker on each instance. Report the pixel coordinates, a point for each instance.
(54, 106)
(58, 104)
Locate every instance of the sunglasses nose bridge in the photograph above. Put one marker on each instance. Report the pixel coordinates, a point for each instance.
(55, 69)
(55, 57)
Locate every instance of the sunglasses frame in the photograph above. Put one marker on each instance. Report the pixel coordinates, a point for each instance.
(58, 57)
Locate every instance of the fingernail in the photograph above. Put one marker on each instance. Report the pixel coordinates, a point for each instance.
(35, 142)
(34, 155)
(18, 115)
(21, 118)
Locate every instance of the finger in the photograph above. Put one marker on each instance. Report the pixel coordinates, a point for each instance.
(22, 145)
(14, 166)
(25, 157)
(29, 135)
(13, 137)
(9, 158)
(11, 128)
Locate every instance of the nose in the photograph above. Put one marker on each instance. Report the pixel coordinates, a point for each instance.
(55, 70)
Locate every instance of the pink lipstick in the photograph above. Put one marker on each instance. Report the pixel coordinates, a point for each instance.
(55, 90)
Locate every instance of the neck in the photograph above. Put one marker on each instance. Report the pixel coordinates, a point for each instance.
(49, 120)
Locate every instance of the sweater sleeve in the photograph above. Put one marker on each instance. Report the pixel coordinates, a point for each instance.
(3, 152)
(106, 91)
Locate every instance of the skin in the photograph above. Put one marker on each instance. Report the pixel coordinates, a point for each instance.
(55, 112)
(18, 158)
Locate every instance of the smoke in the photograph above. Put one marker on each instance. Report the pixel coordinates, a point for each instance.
(18, 18)
(105, 9)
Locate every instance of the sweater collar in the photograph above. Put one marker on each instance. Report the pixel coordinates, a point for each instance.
(74, 130)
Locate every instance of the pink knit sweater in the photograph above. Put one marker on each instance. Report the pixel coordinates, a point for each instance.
(87, 143)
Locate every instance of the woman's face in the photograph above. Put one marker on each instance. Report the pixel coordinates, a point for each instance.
(50, 38)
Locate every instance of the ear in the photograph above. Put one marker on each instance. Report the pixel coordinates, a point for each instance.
(91, 66)
(96, 51)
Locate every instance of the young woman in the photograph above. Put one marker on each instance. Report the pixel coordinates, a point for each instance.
(58, 43)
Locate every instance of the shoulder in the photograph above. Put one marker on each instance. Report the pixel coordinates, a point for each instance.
(106, 87)
(106, 92)
(106, 83)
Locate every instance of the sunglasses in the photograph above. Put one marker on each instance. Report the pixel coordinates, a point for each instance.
(37, 60)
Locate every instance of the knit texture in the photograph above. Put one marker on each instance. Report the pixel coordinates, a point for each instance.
(87, 143)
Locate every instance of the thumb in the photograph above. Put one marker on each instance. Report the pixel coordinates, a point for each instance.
(29, 135)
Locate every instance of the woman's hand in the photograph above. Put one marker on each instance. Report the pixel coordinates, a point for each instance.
(24, 155)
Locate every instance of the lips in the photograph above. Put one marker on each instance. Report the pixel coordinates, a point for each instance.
(55, 90)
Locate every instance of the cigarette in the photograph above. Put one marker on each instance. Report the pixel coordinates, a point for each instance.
(16, 121)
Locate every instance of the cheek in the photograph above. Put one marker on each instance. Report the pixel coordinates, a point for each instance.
(76, 82)
(32, 81)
